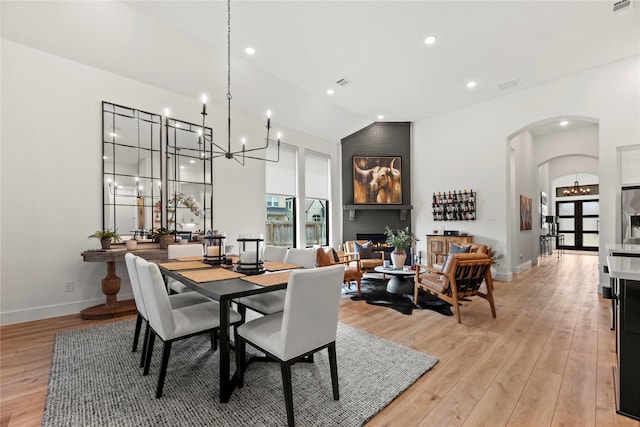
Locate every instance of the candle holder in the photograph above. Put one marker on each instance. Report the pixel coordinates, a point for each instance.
(250, 261)
(214, 250)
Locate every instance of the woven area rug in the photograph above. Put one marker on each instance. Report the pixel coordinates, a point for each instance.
(95, 381)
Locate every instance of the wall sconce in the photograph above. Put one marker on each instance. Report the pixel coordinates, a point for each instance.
(250, 261)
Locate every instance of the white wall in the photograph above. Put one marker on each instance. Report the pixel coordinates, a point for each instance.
(51, 177)
(582, 140)
(468, 147)
(524, 248)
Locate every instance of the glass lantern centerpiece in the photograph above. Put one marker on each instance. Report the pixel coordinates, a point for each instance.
(250, 249)
(214, 248)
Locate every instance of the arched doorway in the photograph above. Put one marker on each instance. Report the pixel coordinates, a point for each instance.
(540, 153)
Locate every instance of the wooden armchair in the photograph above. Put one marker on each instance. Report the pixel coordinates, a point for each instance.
(461, 277)
(367, 263)
(352, 270)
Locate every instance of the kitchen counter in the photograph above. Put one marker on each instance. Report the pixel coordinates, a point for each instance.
(622, 267)
(623, 249)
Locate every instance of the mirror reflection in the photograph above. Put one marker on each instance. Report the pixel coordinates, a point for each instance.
(189, 177)
(131, 142)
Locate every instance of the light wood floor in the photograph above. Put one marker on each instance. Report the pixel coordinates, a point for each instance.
(546, 359)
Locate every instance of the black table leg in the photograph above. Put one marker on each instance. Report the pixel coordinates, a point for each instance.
(225, 384)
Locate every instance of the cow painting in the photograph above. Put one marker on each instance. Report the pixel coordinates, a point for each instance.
(377, 180)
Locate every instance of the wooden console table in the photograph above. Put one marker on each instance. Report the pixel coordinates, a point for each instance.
(111, 282)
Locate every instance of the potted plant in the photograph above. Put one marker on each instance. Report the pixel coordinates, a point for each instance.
(399, 239)
(164, 236)
(495, 256)
(105, 237)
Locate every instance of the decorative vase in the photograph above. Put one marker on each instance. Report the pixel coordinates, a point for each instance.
(105, 243)
(131, 244)
(397, 258)
(165, 241)
(493, 271)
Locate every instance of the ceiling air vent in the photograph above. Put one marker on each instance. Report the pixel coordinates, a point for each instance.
(508, 85)
(621, 5)
(343, 82)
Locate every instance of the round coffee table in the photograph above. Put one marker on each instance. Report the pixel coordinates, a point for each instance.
(399, 282)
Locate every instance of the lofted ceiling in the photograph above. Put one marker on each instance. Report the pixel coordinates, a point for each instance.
(304, 47)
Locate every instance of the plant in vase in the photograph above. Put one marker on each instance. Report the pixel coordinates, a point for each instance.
(495, 256)
(105, 237)
(164, 236)
(399, 239)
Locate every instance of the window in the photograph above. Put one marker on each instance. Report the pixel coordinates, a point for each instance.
(316, 232)
(317, 185)
(281, 190)
(280, 225)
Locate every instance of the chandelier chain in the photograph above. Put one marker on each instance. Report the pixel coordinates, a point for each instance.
(229, 49)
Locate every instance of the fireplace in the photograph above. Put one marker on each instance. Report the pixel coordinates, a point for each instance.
(378, 240)
(379, 243)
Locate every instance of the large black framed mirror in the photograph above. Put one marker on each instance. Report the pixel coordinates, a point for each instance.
(189, 178)
(131, 169)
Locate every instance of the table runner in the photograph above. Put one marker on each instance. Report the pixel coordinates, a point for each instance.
(183, 265)
(277, 266)
(269, 279)
(210, 275)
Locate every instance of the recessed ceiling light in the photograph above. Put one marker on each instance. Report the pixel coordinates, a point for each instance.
(430, 40)
(380, 117)
(250, 51)
(330, 92)
(192, 161)
(564, 123)
(471, 84)
(113, 134)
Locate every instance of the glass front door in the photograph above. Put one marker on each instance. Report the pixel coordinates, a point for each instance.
(578, 222)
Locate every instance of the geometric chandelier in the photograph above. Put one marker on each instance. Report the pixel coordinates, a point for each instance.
(258, 153)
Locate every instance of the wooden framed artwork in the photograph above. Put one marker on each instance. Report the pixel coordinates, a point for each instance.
(377, 180)
(525, 213)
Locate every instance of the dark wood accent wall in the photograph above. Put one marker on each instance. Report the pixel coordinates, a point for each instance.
(384, 139)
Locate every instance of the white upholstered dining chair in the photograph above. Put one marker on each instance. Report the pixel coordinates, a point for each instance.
(177, 251)
(172, 324)
(269, 302)
(274, 253)
(304, 257)
(307, 325)
(176, 301)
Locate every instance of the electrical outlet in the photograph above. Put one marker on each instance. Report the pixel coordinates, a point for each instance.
(69, 285)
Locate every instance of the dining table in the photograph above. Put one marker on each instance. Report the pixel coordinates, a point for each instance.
(223, 284)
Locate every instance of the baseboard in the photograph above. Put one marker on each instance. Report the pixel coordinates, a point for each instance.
(49, 311)
(504, 276)
(522, 267)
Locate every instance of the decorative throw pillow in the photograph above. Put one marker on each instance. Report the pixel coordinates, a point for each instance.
(335, 255)
(364, 250)
(455, 249)
(324, 257)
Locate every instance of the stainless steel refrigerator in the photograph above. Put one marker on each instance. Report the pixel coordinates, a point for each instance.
(631, 214)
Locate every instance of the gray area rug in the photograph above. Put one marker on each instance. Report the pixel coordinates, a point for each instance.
(95, 381)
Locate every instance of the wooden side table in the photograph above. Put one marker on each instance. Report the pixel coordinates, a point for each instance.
(111, 282)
